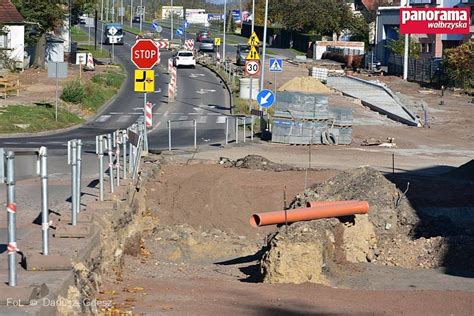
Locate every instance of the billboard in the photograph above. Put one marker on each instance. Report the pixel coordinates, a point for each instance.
(215, 17)
(236, 16)
(434, 20)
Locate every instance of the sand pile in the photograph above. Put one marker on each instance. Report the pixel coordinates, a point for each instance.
(304, 84)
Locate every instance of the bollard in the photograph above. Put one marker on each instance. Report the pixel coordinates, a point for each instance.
(73, 162)
(43, 156)
(236, 129)
(195, 133)
(245, 126)
(79, 175)
(226, 130)
(111, 162)
(11, 210)
(169, 135)
(251, 127)
(100, 152)
(124, 140)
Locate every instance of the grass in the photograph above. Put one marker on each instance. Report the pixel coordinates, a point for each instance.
(101, 88)
(39, 117)
(78, 35)
(135, 30)
(105, 53)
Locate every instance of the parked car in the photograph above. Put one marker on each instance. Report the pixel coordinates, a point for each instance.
(136, 19)
(242, 52)
(184, 58)
(207, 45)
(202, 35)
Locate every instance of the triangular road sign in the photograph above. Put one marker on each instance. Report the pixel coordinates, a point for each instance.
(253, 40)
(253, 54)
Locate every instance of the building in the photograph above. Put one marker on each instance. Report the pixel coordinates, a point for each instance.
(432, 45)
(13, 39)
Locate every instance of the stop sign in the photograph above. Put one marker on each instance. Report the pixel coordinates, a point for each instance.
(145, 54)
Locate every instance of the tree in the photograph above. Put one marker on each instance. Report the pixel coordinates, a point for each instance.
(46, 16)
(398, 46)
(459, 64)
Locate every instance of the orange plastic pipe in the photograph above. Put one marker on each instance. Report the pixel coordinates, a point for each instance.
(307, 214)
(326, 203)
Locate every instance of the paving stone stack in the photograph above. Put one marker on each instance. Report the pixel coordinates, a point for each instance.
(302, 119)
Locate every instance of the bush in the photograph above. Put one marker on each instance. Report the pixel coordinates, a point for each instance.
(459, 65)
(73, 92)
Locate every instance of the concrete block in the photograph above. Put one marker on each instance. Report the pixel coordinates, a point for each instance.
(38, 262)
(82, 230)
(21, 295)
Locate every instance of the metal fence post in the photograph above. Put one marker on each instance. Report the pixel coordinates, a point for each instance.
(195, 133)
(236, 129)
(169, 135)
(124, 140)
(117, 155)
(111, 162)
(11, 210)
(130, 154)
(79, 175)
(100, 152)
(145, 137)
(251, 127)
(226, 130)
(73, 161)
(245, 126)
(43, 156)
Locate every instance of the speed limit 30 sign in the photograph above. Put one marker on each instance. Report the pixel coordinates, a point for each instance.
(252, 67)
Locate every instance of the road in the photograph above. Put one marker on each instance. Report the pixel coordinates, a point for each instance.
(201, 97)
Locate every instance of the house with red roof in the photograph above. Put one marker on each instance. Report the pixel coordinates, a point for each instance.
(12, 37)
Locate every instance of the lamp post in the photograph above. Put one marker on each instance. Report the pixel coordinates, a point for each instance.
(225, 25)
(171, 17)
(262, 75)
(405, 57)
(253, 16)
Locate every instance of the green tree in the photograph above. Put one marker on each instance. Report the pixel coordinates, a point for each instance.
(459, 63)
(45, 16)
(398, 46)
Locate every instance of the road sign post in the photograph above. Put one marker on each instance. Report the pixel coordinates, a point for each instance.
(252, 64)
(57, 70)
(275, 66)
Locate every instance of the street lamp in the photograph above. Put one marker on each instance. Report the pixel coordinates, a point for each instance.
(262, 75)
(225, 24)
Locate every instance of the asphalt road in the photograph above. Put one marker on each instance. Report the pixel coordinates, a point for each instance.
(201, 96)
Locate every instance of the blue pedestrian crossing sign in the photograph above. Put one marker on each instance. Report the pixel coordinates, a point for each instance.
(186, 24)
(276, 65)
(179, 31)
(265, 98)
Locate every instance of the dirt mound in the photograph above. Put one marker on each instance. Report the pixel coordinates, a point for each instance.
(465, 172)
(256, 162)
(304, 84)
(389, 212)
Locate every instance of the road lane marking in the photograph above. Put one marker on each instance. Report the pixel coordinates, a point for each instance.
(166, 113)
(202, 119)
(183, 117)
(103, 118)
(220, 120)
(116, 113)
(123, 118)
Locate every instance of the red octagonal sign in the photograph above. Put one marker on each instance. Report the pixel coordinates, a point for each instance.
(145, 54)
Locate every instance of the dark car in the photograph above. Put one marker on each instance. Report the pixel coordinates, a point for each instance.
(136, 19)
(207, 45)
(202, 35)
(242, 52)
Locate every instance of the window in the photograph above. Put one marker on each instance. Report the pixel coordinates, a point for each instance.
(426, 47)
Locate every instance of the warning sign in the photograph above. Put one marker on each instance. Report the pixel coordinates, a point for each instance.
(144, 81)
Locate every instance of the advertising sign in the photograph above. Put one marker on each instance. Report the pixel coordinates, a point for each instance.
(434, 20)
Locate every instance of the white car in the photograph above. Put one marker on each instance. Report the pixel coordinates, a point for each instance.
(184, 58)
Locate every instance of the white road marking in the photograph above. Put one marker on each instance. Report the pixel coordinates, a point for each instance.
(220, 120)
(177, 113)
(166, 113)
(135, 113)
(198, 109)
(123, 118)
(183, 117)
(213, 113)
(116, 113)
(196, 75)
(103, 118)
(202, 120)
(195, 113)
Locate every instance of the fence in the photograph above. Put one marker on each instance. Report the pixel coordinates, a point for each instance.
(419, 70)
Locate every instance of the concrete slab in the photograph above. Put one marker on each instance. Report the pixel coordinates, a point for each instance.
(21, 295)
(38, 262)
(82, 230)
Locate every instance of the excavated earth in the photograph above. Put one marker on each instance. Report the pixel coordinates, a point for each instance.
(199, 253)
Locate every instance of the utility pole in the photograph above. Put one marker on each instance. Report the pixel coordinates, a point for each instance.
(102, 10)
(253, 16)
(113, 11)
(171, 17)
(131, 13)
(122, 11)
(405, 57)
(142, 15)
(225, 24)
(262, 76)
